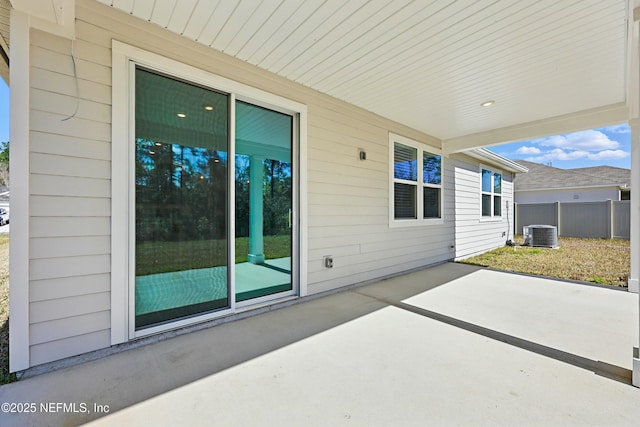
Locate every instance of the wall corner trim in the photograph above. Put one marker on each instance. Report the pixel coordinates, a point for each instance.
(19, 358)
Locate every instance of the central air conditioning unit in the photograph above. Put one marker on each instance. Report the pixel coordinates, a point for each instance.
(545, 236)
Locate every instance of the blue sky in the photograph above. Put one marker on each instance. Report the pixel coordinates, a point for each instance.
(610, 146)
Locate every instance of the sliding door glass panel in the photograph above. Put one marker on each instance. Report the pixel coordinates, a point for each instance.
(181, 138)
(263, 187)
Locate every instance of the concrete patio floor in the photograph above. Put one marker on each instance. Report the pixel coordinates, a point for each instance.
(453, 345)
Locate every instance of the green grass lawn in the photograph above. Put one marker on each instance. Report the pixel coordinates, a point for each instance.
(601, 261)
(5, 377)
(165, 257)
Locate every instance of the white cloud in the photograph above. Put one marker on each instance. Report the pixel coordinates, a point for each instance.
(560, 154)
(584, 145)
(622, 128)
(587, 140)
(528, 150)
(591, 140)
(608, 155)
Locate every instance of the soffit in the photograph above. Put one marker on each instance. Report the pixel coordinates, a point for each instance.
(426, 64)
(5, 8)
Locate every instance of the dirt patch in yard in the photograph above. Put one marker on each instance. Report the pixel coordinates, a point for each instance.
(601, 261)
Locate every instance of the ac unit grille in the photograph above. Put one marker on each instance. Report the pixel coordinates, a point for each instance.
(541, 236)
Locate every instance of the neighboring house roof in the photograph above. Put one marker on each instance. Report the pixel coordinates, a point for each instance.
(608, 172)
(546, 177)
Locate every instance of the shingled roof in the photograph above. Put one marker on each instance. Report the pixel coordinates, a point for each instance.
(542, 176)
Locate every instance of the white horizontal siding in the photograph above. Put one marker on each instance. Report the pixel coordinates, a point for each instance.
(79, 207)
(66, 85)
(58, 349)
(58, 247)
(62, 308)
(70, 192)
(349, 214)
(49, 268)
(47, 164)
(80, 128)
(62, 145)
(474, 234)
(69, 226)
(51, 289)
(372, 179)
(60, 62)
(55, 102)
(69, 186)
(374, 270)
(54, 330)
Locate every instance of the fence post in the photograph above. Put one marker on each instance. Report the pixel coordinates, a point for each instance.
(558, 217)
(611, 218)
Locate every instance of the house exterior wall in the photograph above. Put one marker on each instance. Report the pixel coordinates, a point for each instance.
(69, 198)
(474, 234)
(568, 195)
(70, 175)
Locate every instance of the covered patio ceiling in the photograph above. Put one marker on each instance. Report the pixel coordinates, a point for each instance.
(427, 64)
(550, 66)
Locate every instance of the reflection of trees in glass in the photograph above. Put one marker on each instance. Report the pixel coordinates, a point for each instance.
(497, 183)
(180, 192)
(432, 171)
(406, 169)
(242, 195)
(276, 196)
(405, 162)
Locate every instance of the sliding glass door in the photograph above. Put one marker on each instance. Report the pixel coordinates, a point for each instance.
(183, 200)
(263, 201)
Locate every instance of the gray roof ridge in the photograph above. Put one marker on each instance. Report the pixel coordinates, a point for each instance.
(569, 177)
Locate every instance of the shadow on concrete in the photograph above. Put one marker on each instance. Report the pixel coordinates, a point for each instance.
(598, 367)
(138, 374)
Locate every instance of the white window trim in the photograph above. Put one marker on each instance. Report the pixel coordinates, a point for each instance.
(421, 147)
(493, 170)
(122, 236)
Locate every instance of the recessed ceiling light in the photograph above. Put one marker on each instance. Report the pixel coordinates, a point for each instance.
(158, 144)
(209, 107)
(152, 152)
(488, 103)
(182, 115)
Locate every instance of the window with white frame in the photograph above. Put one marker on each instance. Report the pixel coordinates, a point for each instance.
(416, 185)
(491, 198)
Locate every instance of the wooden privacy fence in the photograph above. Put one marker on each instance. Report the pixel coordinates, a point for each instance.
(606, 220)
